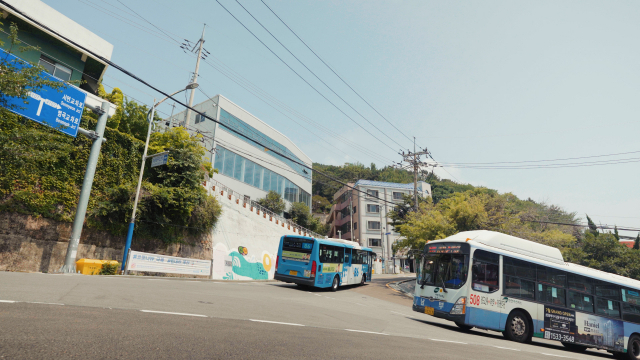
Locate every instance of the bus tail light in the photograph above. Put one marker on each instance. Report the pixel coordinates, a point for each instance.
(313, 269)
(460, 307)
(277, 258)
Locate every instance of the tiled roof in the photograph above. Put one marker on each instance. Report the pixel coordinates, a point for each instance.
(384, 184)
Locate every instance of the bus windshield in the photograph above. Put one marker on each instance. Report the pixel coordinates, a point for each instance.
(448, 270)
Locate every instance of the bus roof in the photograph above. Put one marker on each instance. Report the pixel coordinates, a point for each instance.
(534, 252)
(335, 242)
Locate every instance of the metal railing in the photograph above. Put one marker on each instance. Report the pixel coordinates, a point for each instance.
(254, 204)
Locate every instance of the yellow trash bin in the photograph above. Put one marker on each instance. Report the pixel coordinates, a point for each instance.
(89, 266)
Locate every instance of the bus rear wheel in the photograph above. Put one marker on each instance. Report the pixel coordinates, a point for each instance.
(633, 348)
(518, 328)
(335, 283)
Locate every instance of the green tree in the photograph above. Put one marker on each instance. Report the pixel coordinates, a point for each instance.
(615, 233)
(273, 201)
(320, 204)
(300, 214)
(593, 228)
(636, 243)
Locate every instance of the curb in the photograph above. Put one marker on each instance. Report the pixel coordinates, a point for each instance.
(394, 286)
(172, 278)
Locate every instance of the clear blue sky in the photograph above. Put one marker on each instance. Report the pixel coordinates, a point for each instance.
(490, 81)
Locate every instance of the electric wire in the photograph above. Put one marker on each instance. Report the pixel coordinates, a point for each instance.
(548, 160)
(330, 68)
(316, 76)
(366, 151)
(302, 78)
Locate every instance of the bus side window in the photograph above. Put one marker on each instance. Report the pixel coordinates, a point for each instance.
(485, 271)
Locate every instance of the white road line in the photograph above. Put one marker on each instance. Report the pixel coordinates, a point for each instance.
(556, 355)
(366, 332)
(7, 301)
(172, 313)
(193, 281)
(275, 322)
(157, 279)
(45, 303)
(360, 304)
(451, 341)
(330, 298)
(506, 348)
(317, 295)
(399, 313)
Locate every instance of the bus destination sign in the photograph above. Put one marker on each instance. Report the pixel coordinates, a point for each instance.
(445, 248)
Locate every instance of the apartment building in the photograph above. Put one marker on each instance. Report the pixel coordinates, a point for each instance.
(360, 215)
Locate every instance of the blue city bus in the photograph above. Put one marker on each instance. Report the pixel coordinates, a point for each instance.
(322, 263)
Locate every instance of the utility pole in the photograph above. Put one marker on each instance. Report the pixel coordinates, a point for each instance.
(351, 212)
(383, 243)
(195, 75)
(412, 161)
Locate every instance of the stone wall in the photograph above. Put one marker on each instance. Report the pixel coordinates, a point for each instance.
(35, 244)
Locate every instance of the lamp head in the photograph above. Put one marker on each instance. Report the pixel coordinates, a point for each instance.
(192, 86)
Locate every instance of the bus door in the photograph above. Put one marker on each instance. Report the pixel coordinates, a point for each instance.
(370, 257)
(347, 269)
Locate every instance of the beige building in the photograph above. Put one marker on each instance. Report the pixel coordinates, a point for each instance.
(364, 218)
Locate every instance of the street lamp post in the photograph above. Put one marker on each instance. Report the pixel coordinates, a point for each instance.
(150, 115)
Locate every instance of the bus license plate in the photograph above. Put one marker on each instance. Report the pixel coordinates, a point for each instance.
(428, 310)
(291, 272)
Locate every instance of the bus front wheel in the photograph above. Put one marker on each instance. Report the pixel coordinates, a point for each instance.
(363, 280)
(336, 282)
(518, 327)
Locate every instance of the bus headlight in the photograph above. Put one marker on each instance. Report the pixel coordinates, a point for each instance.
(460, 306)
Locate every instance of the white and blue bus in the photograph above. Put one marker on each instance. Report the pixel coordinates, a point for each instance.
(322, 263)
(498, 282)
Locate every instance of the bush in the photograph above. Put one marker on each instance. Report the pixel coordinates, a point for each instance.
(109, 269)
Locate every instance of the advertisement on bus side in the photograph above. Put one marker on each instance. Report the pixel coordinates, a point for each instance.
(580, 328)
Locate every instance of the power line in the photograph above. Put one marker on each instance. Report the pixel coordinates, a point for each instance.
(316, 76)
(149, 22)
(357, 146)
(302, 78)
(548, 160)
(552, 166)
(128, 73)
(330, 68)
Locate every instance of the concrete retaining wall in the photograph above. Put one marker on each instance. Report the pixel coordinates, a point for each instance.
(245, 240)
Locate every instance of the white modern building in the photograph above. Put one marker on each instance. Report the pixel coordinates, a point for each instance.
(244, 165)
(368, 215)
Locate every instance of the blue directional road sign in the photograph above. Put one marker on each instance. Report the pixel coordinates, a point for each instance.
(60, 110)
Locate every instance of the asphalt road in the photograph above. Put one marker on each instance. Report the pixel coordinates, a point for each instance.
(93, 317)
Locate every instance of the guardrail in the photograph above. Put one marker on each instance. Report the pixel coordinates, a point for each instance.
(217, 186)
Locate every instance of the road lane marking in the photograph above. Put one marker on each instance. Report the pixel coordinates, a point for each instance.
(360, 304)
(399, 313)
(506, 348)
(45, 303)
(172, 313)
(330, 298)
(367, 332)
(275, 322)
(451, 341)
(556, 355)
(7, 301)
(157, 279)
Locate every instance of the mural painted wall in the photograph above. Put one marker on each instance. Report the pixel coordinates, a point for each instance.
(245, 244)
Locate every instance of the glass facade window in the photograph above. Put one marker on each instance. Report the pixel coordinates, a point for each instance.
(233, 165)
(258, 137)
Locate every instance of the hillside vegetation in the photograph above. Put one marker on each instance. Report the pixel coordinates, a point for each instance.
(458, 207)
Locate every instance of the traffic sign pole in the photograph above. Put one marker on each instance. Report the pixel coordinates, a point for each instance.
(135, 202)
(85, 193)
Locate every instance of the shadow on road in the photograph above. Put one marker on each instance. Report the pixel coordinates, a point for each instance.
(492, 335)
